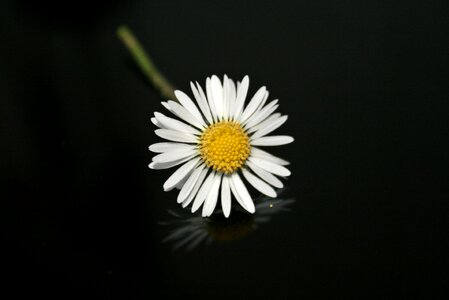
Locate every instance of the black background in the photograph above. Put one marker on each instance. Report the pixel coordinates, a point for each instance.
(365, 85)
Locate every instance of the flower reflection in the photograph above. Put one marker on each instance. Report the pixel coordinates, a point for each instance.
(189, 232)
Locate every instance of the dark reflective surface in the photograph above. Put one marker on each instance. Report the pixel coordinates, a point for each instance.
(364, 84)
(188, 232)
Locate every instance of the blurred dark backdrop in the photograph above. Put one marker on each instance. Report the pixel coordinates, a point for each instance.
(365, 84)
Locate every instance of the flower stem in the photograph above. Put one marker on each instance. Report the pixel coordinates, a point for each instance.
(145, 63)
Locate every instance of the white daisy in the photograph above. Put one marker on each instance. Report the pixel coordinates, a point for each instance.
(219, 141)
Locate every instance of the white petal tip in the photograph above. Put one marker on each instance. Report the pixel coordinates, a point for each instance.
(178, 93)
(273, 195)
(288, 140)
(184, 204)
(153, 148)
(167, 188)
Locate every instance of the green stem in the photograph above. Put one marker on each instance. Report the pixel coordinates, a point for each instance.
(145, 63)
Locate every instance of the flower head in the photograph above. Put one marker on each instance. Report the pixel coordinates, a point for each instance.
(219, 141)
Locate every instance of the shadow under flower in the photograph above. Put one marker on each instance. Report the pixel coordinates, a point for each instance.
(188, 232)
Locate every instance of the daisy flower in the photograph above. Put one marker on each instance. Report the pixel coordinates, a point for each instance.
(216, 141)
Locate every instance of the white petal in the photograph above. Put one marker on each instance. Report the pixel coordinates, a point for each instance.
(242, 90)
(217, 96)
(262, 114)
(259, 184)
(269, 128)
(265, 98)
(189, 105)
(174, 124)
(241, 193)
(156, 122)
(185, 114)
(202, 101)
(259, 108)
(179, 174)
(225, 196)
(273, 140)
(168, 146)
(253, 104)
(254, 127)
(231, 98)
(256, 152)
(196, 187)
(204, 190)
(236, 195)
(180, 184)
(190, 183)
(225, 97)
(165, 104)
(270, 166)
(212, 196)
(161, 166)
(267, 176)
(176, 136)
(210, 99)
(174, 155)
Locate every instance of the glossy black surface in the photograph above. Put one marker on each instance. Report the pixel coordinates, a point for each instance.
(364, 214)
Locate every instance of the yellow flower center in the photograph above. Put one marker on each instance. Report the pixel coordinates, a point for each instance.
(224, 146)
